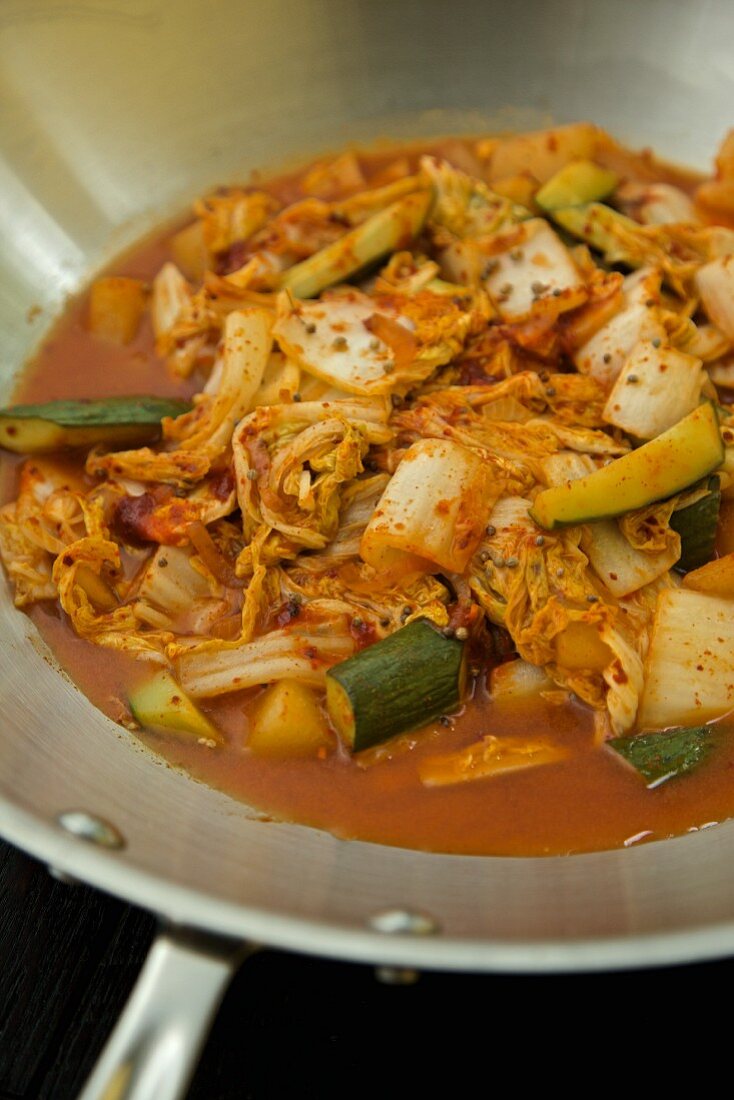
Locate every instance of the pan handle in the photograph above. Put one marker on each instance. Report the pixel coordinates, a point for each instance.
(154, 1048)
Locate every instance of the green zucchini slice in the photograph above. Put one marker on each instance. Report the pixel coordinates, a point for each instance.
(696, 526)
(576, 184)
(671, 462)
(595, 224)
(659, 757)
(160, 705)
(398, 684)
(386, 231)
(114, 421)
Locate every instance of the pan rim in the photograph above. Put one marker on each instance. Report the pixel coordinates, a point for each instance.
(186, 907)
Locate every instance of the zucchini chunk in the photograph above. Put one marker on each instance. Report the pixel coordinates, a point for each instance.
(671, 462)
(161, 705)
(398, 684)
(665, 755)
(696, 524)
(114, 421)
(386, 231)
(576, 184)
(595, 224)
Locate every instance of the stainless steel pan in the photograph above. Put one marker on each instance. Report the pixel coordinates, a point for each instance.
(114, 113)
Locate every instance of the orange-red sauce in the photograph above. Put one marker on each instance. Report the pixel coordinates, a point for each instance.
(589, 801)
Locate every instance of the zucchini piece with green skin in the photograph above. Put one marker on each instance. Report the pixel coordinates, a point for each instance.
(113, 421)
(576, 184)
(696, 525)
(159, 704)
(659, 757)
(594, 223)
(386, 231)
(396, 685)
(671, 462)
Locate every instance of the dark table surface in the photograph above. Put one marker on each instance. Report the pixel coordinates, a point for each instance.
(299, 1027)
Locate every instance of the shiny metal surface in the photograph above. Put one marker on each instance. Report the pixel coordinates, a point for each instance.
(114, 113)
(156, 1043)
(95, 830)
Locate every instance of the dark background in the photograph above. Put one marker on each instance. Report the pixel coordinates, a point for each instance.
(299, 1027)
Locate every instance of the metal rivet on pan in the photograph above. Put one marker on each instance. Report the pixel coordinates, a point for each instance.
(396, 975)
(94, 829)
(401, 922)
(61, 876)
